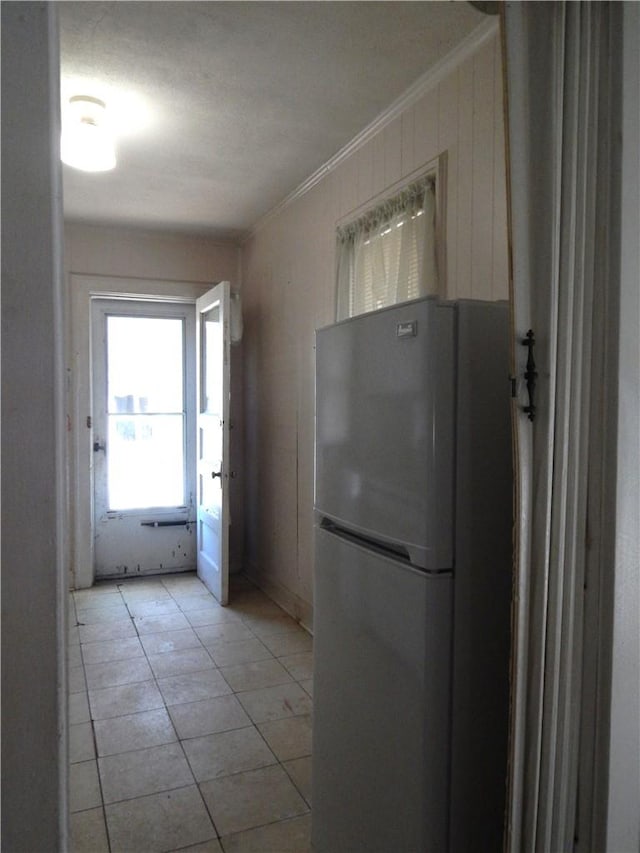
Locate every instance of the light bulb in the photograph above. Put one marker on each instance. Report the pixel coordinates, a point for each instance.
(86, 142)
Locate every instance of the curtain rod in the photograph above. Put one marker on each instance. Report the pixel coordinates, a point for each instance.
(431, 170)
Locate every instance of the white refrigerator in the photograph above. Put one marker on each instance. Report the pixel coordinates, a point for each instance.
(412, 579)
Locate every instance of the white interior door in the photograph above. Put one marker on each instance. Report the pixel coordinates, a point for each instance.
(143, 426)
(212, 360)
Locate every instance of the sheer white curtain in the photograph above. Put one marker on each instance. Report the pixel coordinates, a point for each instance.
(389, 254)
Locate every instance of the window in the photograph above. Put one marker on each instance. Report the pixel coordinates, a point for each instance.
(145, 412)
(389, 254)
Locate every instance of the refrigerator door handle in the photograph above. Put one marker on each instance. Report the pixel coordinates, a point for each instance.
(398, 552)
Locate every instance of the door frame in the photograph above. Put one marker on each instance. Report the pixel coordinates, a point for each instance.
(83, 289)
(122, 528)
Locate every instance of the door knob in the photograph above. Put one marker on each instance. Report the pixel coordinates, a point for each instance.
(97, 446)
(215, 474)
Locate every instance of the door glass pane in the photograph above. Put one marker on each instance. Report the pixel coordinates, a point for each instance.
(212, 362)
(145, 372)
(145, 412)
(145, 461)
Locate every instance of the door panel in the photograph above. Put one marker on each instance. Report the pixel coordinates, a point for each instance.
(212, 360)
(143, 414)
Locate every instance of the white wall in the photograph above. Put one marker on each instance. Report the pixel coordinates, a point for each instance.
(289, 291)
(132, 253)
(34, 754)
(143, 262)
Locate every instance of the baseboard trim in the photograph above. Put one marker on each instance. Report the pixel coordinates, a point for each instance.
(296, 607)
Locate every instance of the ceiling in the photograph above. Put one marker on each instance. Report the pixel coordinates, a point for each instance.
(221, 109)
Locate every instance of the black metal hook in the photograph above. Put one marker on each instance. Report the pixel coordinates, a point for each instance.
(530, 374)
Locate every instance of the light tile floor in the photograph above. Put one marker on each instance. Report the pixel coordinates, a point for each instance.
(190, 723)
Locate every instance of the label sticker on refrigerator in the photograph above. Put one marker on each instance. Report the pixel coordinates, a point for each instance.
(407, 330)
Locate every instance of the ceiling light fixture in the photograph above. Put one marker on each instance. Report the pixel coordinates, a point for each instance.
(87, 142)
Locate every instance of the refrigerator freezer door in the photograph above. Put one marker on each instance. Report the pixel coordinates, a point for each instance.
(381, 702)
(385, 427)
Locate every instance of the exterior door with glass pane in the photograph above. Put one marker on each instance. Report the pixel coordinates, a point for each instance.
(143, 413)
(212, 359)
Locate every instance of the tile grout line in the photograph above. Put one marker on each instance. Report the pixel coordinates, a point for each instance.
(278, 762)
(155, 681)
(173, 596)
(95, 740)
(198, 783)
(186, 757)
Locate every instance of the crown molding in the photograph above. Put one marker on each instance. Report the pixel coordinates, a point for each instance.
(462, 51)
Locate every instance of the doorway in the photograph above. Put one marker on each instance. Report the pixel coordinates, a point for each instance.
(179, 299)
(143, 410)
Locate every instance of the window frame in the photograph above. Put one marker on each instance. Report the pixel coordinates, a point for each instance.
(437, 169)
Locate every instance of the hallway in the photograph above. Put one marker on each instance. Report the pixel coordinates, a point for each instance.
(190, 724)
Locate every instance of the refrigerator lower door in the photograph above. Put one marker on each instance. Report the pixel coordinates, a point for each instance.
(381, 702)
